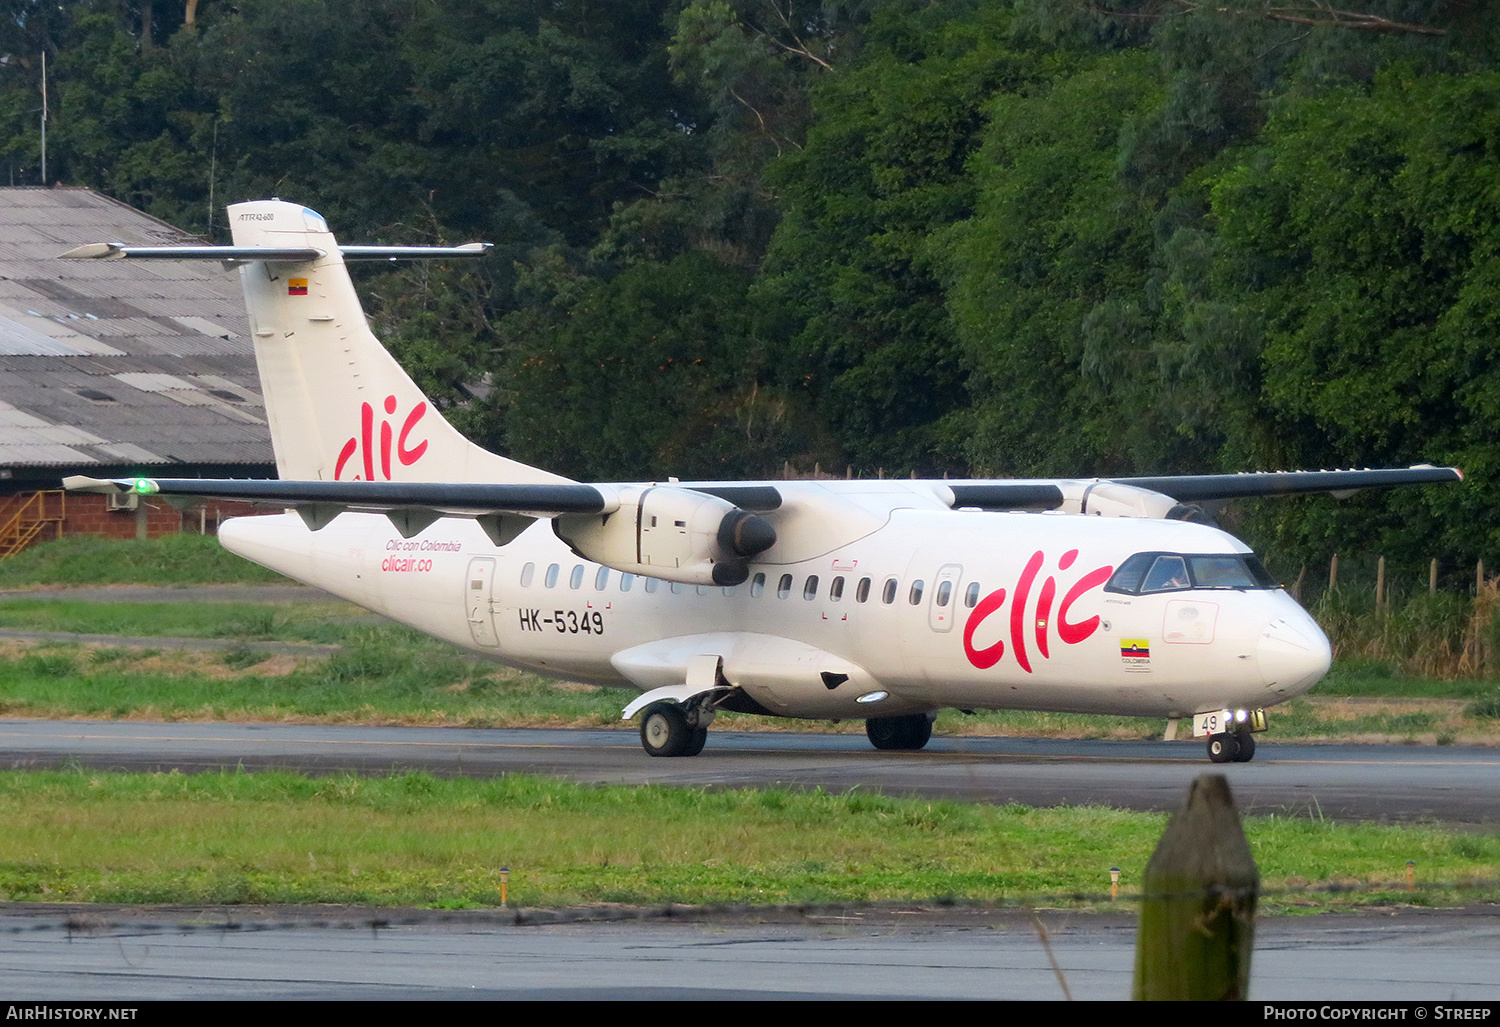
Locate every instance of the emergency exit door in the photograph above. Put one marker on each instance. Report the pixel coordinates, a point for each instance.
(478, 590)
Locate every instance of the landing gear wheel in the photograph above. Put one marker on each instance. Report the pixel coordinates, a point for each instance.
(1223, 748)
(911, 732)
(665, 731)
(1246, 751)
(696, 742)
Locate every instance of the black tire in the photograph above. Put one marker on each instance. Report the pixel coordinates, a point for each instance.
(696, 741)
(1223, 748)
(1246, 751)
(664, 730)
(911, 732)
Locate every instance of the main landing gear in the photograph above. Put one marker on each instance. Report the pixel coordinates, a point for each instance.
(1231, 747)
(671, 729)
(910, 732)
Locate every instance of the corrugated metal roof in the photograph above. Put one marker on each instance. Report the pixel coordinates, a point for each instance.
(111, 362)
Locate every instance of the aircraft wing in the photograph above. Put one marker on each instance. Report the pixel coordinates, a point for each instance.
(551, 500)
(1172, 495)
(724, 525)
(1197, 488)
(465, 499)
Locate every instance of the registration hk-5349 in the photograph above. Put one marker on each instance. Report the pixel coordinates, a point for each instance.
(564, 622)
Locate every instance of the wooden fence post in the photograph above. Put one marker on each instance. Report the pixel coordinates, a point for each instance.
(1333, 572)
(1380, 583)
(1197, 927)
(1432, 577)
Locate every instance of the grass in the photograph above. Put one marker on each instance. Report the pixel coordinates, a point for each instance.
(169, 560)
(384, 675)
(416, 840)
(392, 675)
(328, 622)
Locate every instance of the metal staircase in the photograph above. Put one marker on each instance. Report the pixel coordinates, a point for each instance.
(26, 516)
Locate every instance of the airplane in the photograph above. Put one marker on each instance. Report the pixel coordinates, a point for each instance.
(883, 600)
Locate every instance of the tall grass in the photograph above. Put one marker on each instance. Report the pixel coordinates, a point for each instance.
(1433, 635)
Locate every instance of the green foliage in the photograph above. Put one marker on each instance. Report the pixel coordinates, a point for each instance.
(1485, 706)
(179, 559)
(855, 308)
(1027, 237)
(655, 373)
(1362, 234)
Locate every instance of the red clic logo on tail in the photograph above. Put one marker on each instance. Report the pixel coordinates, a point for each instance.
(1069, 632)
(364, 442)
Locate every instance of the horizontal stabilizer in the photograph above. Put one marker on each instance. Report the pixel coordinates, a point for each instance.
(294, 254)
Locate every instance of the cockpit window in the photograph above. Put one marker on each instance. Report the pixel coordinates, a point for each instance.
(1167, 574)
(1221, 572)
(1148, 573)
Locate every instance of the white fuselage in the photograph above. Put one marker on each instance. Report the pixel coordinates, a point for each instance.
(931, 609)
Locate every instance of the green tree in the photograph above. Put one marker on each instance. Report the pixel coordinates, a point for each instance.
(655, 373)
(1363, 232)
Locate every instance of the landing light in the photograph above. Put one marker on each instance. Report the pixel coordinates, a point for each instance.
(873, 697)
(1240, 716)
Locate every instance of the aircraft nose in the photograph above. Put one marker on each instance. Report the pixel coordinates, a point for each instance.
(1293, 653)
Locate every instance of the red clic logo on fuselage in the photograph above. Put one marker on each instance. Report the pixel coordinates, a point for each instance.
(1067, 631)
(365, 442)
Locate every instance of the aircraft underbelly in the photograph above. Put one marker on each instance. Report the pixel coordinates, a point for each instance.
(786, 676)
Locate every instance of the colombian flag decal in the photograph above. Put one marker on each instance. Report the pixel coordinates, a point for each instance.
(1135, 647)
(296, 286)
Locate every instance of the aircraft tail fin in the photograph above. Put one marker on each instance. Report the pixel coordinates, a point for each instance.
(339, 406)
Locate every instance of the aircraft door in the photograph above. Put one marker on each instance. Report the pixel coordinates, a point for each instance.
(944, 604)
(479, 586)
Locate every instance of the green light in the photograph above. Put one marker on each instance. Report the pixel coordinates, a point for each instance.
(145, 486)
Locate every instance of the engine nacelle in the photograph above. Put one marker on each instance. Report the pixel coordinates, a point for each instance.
(672, 533)
(1113, 499)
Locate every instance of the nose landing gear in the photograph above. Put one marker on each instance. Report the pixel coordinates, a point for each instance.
(1231, 747)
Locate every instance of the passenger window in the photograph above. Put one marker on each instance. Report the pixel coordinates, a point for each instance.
(676, 587)
(915, 596)
(971, 595)
(551, 579)
(757, 586)
(626, 580)
(888, 594)
(527, 573)
(810, 590)
(836, 589)
(784, 586)
(862, 590)
(651, 585)
(729, 590)
(703, 590)
(575, 580)
(944, 593)
(601, 579)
